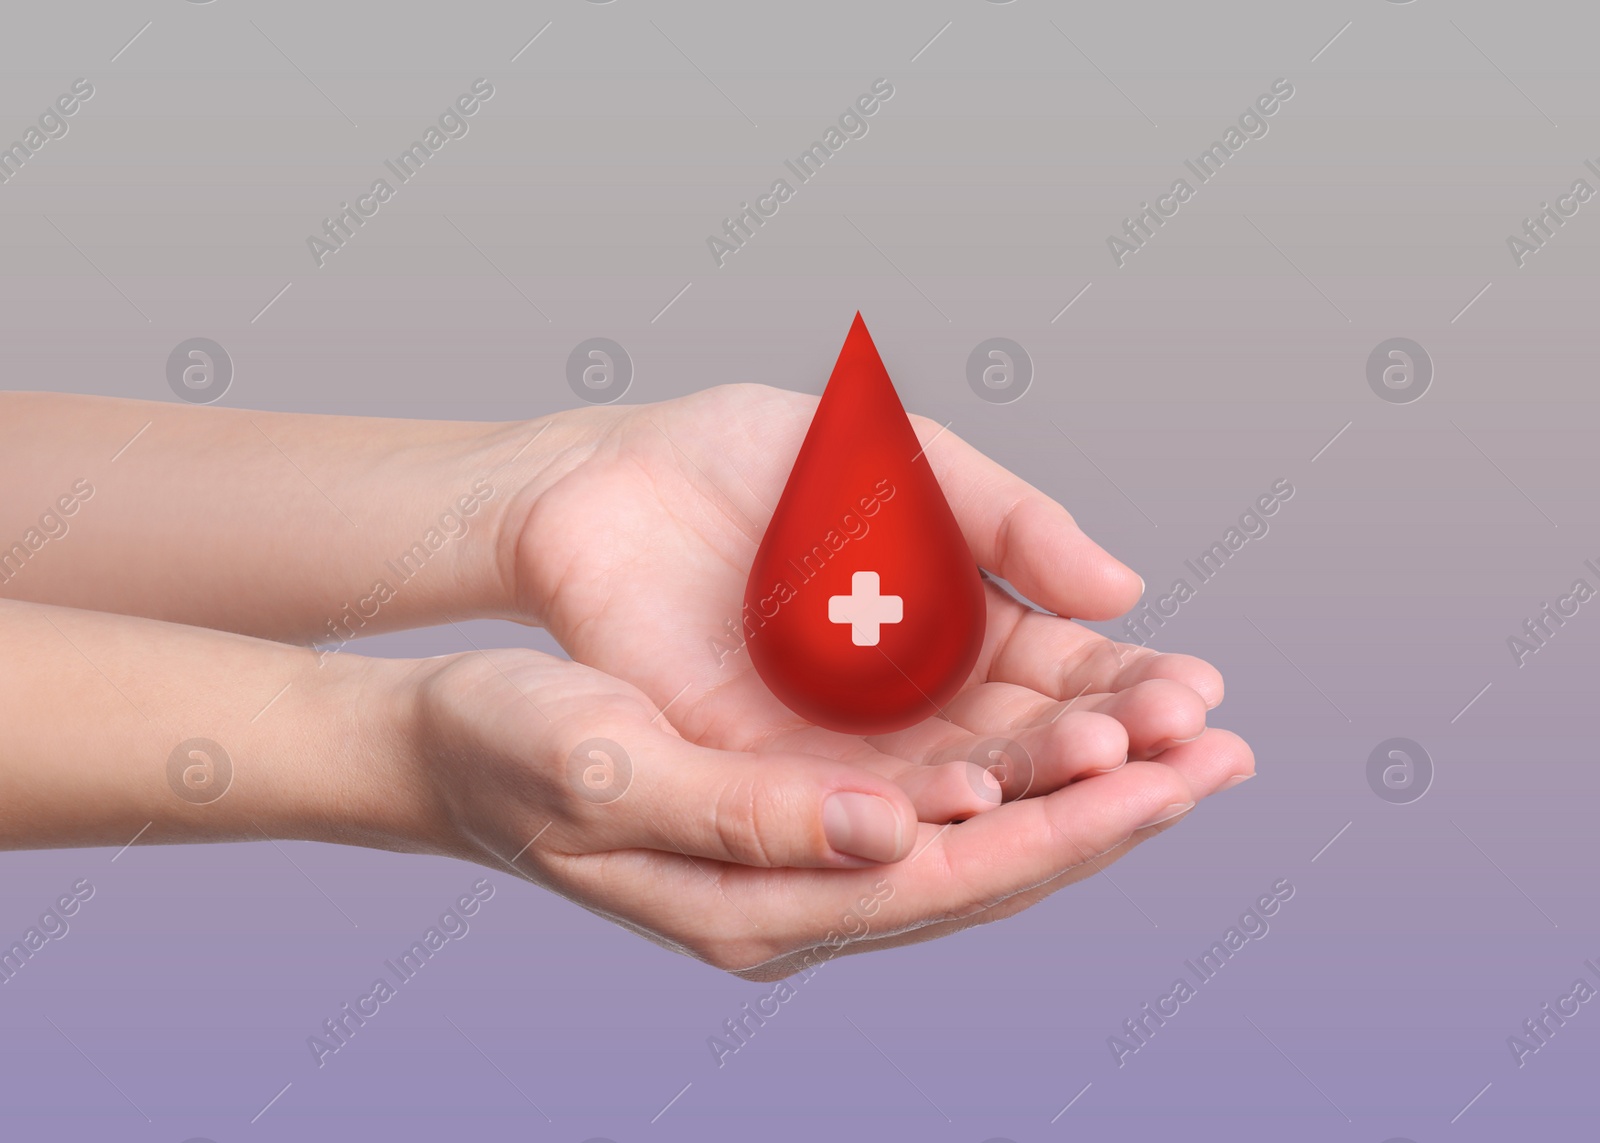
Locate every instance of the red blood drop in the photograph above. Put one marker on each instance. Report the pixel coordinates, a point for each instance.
(864, 605)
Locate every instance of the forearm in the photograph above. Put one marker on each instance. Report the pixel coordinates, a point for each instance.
(288, 526)
(101, 714)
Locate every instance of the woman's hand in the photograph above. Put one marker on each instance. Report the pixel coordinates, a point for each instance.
(758, 859)
(628, 532)
(632, 544)
(760, 863)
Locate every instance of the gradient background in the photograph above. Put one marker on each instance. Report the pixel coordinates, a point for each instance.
(1221, 358)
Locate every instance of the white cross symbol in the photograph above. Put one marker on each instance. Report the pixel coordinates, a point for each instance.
(864, 609)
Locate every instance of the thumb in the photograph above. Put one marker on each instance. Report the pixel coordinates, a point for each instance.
(1024, 536)
(769, 810)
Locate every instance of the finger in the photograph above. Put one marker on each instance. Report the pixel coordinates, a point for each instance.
(1034, 745)
(1009, 907)
(959, 869)
(1020, 533)
(1058, 657)
(769, 810)
(958, 776)
(802, 960)
(741, 918)
(953, 790)
(1009, 742)
(948, 788)
(871, 937)
(1158, 715)
(1216, 761)
(990, 707)
(1196, 674)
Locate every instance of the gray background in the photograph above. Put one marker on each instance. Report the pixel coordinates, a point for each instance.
(1224, 356)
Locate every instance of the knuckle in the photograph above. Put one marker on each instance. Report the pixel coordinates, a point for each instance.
(1006, 532)
(1170, 691)
(748, 822)
(1098, 659)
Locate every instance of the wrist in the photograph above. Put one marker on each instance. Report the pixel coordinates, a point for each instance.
(532, 456)
(206, 737)
(374, 790)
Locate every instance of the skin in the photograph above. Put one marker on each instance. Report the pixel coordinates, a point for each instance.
(219, 544)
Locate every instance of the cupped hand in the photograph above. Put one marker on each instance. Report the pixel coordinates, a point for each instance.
(760, 863)
(632, 546)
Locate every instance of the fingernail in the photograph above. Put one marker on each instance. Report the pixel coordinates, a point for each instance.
(1169, 813)
(861, 825)
(1234, 781)
(1111, 769)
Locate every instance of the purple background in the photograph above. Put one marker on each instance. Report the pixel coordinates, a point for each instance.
(1220, 358)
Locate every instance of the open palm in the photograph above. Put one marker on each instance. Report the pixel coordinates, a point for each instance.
(633, 549)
